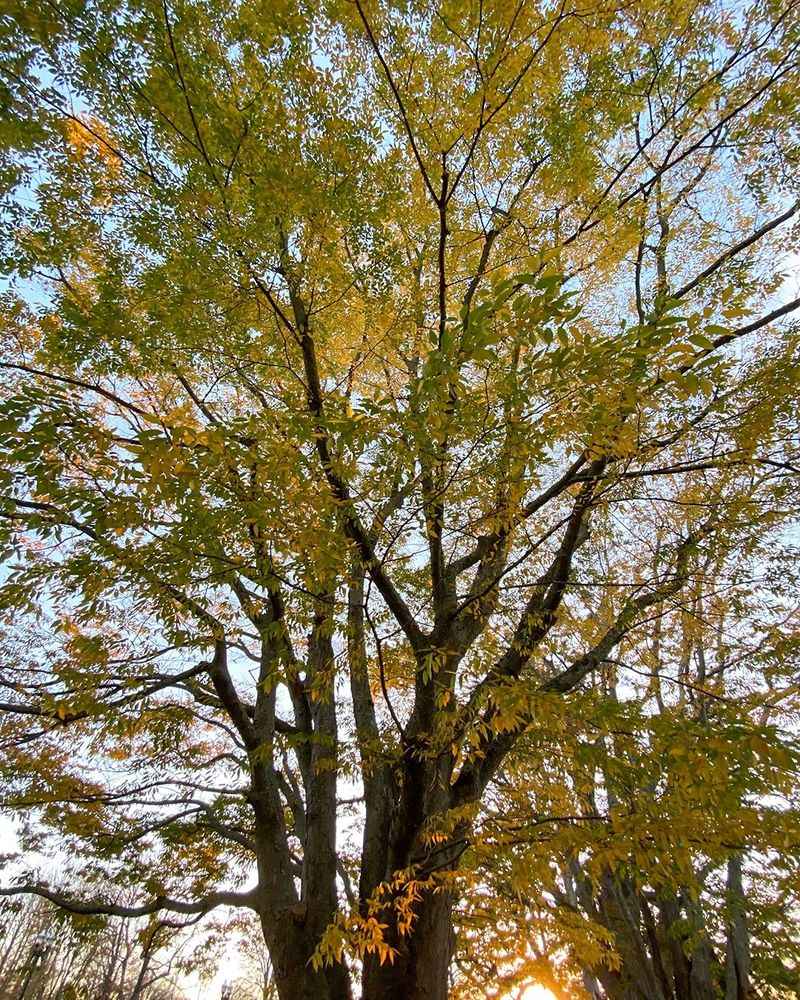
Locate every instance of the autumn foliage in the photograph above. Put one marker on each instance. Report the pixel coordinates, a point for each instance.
(399, 484)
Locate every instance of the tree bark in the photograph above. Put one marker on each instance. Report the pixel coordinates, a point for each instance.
(737, 957)
(620, 911)
(291, 948)
(420, 970)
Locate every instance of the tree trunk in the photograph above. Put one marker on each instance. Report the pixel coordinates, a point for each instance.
(737, 957)
(670, 914)
(420, 970)
(147, 955)
(620, 912)
(290, 949)
(703, 978)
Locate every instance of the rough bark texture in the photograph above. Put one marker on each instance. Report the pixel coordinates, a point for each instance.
(650, 936)
(420, 970)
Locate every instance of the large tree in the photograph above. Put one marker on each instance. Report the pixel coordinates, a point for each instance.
(348, 347)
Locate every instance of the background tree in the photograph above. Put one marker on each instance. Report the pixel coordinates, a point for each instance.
(256, 981)
(376, 375)
(51, 955)
(615, 856)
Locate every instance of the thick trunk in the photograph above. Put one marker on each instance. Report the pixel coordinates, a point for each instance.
(290, 949)
(621, 913)
(420, 970)
(293, 924)
(396, 813)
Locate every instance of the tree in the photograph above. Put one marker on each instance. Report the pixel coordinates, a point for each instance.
(51, 955)
(347, 347)
(255, 981)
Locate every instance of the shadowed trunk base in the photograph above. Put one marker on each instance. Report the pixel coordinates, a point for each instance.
(420, 970)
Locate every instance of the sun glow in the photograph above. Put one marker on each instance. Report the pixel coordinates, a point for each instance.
(536, 993)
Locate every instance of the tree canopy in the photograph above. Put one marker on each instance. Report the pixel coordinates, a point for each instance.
(399, 483)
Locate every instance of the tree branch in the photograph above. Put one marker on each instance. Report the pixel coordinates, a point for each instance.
(98, 907)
